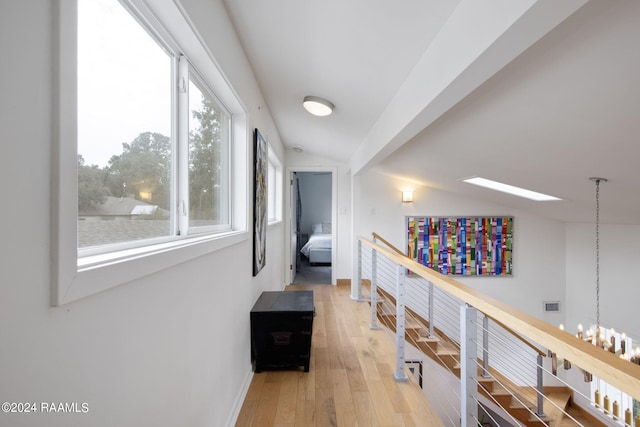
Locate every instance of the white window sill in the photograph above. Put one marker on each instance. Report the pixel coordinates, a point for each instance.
(274, 223)
(97, 273)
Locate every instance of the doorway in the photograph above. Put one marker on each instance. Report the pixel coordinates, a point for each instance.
(312, 225)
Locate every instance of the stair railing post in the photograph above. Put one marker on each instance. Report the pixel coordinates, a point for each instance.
(356, 291)
(431, 334)
(540, 389)
(374, 290)
(485, 347)
(468, 367)
(400, 374)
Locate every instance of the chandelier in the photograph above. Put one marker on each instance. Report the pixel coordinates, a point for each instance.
(598, 336)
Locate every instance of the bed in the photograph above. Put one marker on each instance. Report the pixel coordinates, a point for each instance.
(318, 247)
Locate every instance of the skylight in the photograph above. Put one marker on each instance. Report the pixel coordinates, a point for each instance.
(506, 188)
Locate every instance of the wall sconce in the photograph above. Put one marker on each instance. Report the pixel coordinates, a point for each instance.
(407, 197)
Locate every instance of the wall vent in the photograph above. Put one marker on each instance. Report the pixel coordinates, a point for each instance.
(552, 306)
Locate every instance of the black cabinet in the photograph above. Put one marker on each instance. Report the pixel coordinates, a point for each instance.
(281, 325)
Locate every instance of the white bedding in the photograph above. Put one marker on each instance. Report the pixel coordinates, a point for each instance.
(316, 241)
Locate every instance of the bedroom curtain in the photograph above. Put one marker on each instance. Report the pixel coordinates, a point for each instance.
(298, 206)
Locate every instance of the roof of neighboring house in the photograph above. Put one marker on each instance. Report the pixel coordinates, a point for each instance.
(143, 209)
(115, 206)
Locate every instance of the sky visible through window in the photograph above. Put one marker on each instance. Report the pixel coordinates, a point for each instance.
(124, 81)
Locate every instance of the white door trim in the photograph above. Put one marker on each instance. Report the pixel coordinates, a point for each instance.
(334, 217)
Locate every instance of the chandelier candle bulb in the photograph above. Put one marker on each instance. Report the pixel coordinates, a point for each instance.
(580, 330)
(627, 417)
(613, 340)
(616, 410)
(603, 341)
(598, 399)
(607, 405)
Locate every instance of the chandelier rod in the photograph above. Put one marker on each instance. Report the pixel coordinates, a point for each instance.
(597, 181)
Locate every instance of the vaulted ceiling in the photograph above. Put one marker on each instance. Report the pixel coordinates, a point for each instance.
(538, 94)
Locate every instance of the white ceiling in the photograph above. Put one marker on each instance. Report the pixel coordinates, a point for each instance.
(565, 109)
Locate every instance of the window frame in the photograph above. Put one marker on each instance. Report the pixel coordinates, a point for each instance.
(189, 73)
(75, 276)
(275, 181)
(166, 43)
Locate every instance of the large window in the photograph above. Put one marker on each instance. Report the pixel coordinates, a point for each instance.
(208, 159)
(125, 146)
(150, 145)
(126, 141)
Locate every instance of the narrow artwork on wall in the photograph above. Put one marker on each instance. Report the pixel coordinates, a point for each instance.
(259, 202)
(467, 246)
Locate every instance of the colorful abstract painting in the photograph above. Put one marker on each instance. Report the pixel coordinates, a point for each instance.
(467, 246)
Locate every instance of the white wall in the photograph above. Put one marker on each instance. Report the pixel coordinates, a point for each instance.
(171, 349)
(538, 262)
(315, 195)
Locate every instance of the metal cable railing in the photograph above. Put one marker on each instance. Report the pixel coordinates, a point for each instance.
(386, 317)
(500, 371)
(446, 316)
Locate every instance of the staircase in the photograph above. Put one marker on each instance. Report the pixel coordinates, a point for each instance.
(518, 401)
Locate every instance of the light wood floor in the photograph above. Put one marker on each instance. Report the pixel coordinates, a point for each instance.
(350, 381)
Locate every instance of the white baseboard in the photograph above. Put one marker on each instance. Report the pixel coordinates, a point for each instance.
(239, 401)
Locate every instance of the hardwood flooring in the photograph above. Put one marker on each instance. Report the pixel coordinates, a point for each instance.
(308, 274)
(350, 381)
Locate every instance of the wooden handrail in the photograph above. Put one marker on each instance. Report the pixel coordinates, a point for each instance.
(379, 237)
(607, 366)
(505, 327)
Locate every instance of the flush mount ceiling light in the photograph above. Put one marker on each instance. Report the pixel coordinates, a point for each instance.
(317, 106)
(506, 188)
